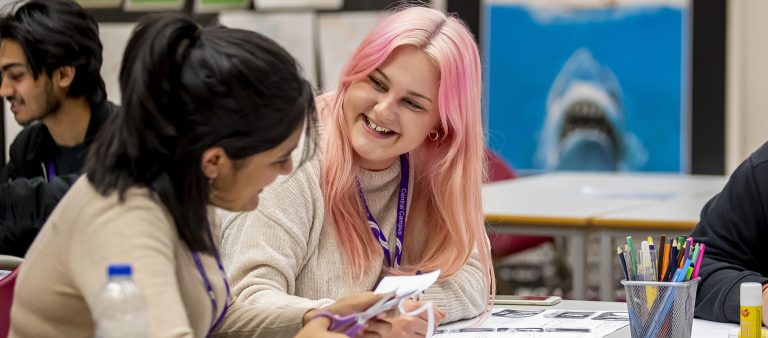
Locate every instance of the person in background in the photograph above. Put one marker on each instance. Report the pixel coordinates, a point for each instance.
(734, 227)
(402, 156)
(210, 117)
(50, 58)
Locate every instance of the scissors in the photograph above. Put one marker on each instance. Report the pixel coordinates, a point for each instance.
(358, 319)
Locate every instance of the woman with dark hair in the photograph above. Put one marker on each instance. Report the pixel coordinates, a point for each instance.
(210, 117)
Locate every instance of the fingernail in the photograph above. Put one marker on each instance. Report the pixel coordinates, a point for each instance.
(381, 316)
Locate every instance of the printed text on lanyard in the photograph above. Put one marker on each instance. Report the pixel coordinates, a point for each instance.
(402, 202)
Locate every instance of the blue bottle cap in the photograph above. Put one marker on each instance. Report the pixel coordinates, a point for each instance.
(115, 270)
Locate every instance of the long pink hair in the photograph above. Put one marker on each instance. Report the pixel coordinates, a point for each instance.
(448, 173)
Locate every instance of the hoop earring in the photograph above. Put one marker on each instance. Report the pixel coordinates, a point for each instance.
(211, 189)
(433, 135)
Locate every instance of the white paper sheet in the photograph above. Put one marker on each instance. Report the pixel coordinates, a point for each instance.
(707, 329)
(407, 284)
(547, 323)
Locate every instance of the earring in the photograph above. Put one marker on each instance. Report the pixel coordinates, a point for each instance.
(433, 135)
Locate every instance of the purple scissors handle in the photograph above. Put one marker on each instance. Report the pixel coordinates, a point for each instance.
(358, 319)
(338, 322)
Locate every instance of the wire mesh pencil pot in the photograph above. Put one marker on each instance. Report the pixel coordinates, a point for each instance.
(660, 309)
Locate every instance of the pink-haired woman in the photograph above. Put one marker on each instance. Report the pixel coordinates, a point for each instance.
(395, 188)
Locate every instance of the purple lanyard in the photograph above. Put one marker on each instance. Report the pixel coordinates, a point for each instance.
(209, 289)
(51, 170)
(402, 203)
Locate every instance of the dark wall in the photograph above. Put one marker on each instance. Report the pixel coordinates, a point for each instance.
(708, 84)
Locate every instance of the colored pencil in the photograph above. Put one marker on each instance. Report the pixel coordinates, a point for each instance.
(698, 261)
(622, 262)
(660, 258)
(632, 255)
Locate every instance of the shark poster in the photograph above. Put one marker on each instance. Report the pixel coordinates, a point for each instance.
(587, 85)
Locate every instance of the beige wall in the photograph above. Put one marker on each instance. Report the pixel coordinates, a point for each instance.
(747, 79)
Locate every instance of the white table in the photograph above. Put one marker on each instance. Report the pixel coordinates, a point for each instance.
(674, 217)
(701, 328)
(568, 204)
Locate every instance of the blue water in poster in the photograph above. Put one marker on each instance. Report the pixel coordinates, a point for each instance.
(587, 89)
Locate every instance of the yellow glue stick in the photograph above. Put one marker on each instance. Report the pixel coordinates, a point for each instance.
(751, 310)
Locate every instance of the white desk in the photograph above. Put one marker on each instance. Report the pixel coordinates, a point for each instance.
(559, 204)
(674, 217)
(701, 328)
(569, 203)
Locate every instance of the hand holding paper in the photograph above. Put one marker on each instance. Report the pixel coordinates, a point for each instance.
(420, 320)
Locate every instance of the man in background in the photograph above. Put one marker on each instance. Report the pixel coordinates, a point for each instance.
(50, 58)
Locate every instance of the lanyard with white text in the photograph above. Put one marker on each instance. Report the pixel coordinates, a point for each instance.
(402, 202)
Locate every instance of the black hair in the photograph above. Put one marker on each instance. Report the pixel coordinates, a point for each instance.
(56, 34)
(186, 89)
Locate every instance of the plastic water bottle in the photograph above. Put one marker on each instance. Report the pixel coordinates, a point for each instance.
(120, 310)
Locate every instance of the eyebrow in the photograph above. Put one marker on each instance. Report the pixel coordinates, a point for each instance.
(5, 67)
(410, 92)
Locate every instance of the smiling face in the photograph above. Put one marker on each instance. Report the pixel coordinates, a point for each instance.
(237, 184)
(392, 110)
(31, 99)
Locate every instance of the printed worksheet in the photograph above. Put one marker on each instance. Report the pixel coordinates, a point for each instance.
(541, 323)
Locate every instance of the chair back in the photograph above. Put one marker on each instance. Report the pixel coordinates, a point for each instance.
(498, 169)
(6, 299)
(504, 244)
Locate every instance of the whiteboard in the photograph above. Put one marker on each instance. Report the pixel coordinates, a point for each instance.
(294, 31)
(114, 37)
(340, 33)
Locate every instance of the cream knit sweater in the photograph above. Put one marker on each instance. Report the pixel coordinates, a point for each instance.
(65, 269)
(283, 254)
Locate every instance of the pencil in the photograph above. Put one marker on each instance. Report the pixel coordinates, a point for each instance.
(698, 261)
(632, 274)
(672, 261)
(660, 258)
(631, 248)
(681, 253)
(622, 262)
(665, 261)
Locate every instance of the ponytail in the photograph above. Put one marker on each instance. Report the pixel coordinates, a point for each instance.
(184, 90)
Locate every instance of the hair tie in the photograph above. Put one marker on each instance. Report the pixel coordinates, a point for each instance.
(183, 50)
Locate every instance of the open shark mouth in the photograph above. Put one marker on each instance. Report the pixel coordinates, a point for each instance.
(585, 118)
(583, 128)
